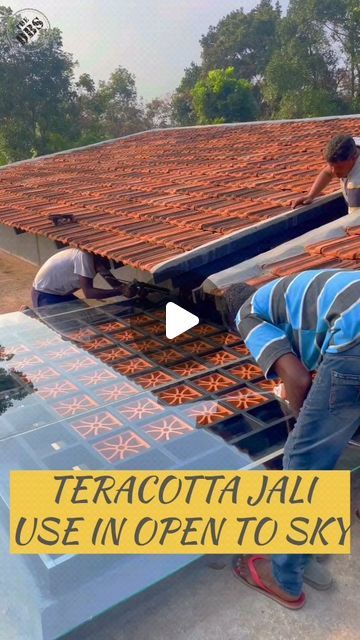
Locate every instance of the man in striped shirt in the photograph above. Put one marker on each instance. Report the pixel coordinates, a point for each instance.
(300, 323)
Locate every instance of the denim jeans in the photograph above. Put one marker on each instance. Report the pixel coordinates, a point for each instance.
(328, 419)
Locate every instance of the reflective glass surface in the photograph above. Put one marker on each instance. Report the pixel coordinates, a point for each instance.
(102, 388)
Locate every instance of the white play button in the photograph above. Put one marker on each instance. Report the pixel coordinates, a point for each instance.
(178, 320)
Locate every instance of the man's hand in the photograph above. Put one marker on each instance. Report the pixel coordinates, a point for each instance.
(296, 378)
(301, 201)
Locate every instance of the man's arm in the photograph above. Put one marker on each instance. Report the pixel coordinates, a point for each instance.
(127, 289)
(321, 182)
(296, 378)
(87, 286)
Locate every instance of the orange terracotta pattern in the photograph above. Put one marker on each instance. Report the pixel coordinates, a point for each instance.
(77, 365)
(244, 399)
(98, 343)
(112, 355)
(96, 425)
(214, 383)
(145, 346)
(116, 392)
(268, 385)
(128, 335)
(140, 320)
(220, 358)
(96, 377)
(226, 339)
(167, 429)
(57, 390)
(207, 413)
(121, 447)
(63, 353)
(204, 330)
(153, 380)
(47, 342)
(42, 375)
(241, 349)
(180, 394)
(188, 368)
(29, 361)
(110, 327)
(71, 407)
(167, 356)
(81, 334)
(139, 409)
(198, 347)
(134, 365)
(246, 371)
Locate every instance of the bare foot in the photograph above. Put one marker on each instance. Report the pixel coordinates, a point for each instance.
(263, 569)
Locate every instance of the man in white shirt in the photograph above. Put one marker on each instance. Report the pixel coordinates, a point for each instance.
(342, 161)
(70, 270)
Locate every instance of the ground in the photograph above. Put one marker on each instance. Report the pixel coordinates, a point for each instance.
(200, 603)
(16, 277)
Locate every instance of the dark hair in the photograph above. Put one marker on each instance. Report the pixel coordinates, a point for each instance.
(340, 148)
(234, 297)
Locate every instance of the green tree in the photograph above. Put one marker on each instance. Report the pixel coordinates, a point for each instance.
(182, 110)
(300, 79)
(221, 97)
(120, 112)
(244, 41)
(340, 21)
(38, 107)
(158, 113)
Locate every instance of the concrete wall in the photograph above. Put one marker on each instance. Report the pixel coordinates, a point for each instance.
(27, 246)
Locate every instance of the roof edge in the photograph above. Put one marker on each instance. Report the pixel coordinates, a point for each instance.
(197, 126)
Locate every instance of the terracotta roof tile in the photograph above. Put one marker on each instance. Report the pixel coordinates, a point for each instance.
(147, 199)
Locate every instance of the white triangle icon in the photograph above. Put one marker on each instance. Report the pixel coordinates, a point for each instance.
(178, 320)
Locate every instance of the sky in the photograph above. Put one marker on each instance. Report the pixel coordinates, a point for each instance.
(154, 39)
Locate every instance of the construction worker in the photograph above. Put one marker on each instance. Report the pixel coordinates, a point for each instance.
(342, 161)
(293, 326)
(72, 270)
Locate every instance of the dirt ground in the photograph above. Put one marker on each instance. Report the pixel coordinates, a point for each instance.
(16, 278)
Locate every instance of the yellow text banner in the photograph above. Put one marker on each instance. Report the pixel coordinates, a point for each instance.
(179, 512)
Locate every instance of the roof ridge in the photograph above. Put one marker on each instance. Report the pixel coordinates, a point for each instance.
(197, 126)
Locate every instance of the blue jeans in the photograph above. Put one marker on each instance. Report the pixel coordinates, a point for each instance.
(328, 419)
(42, 299)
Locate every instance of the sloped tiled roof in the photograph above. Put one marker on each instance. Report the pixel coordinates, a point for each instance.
(335, 253)
(149, 198)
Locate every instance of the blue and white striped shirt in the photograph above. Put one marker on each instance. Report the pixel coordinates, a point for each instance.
(308, 314)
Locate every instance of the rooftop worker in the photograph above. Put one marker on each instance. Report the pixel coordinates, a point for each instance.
(294, 325)
(342, 161)
(70, 270)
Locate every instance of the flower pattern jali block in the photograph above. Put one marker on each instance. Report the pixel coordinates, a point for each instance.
(121, 447)
(113, 355)
(246, 371)
(180, 394)
(138, 409)
(167, 428)
(134, 365)
(220, 358)
(72, 406)
(214, 383)
(204, 414)
(57, 390)
(244, 399)
(153, 380)
(96, 425)
(188, 368)
(120, 391)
